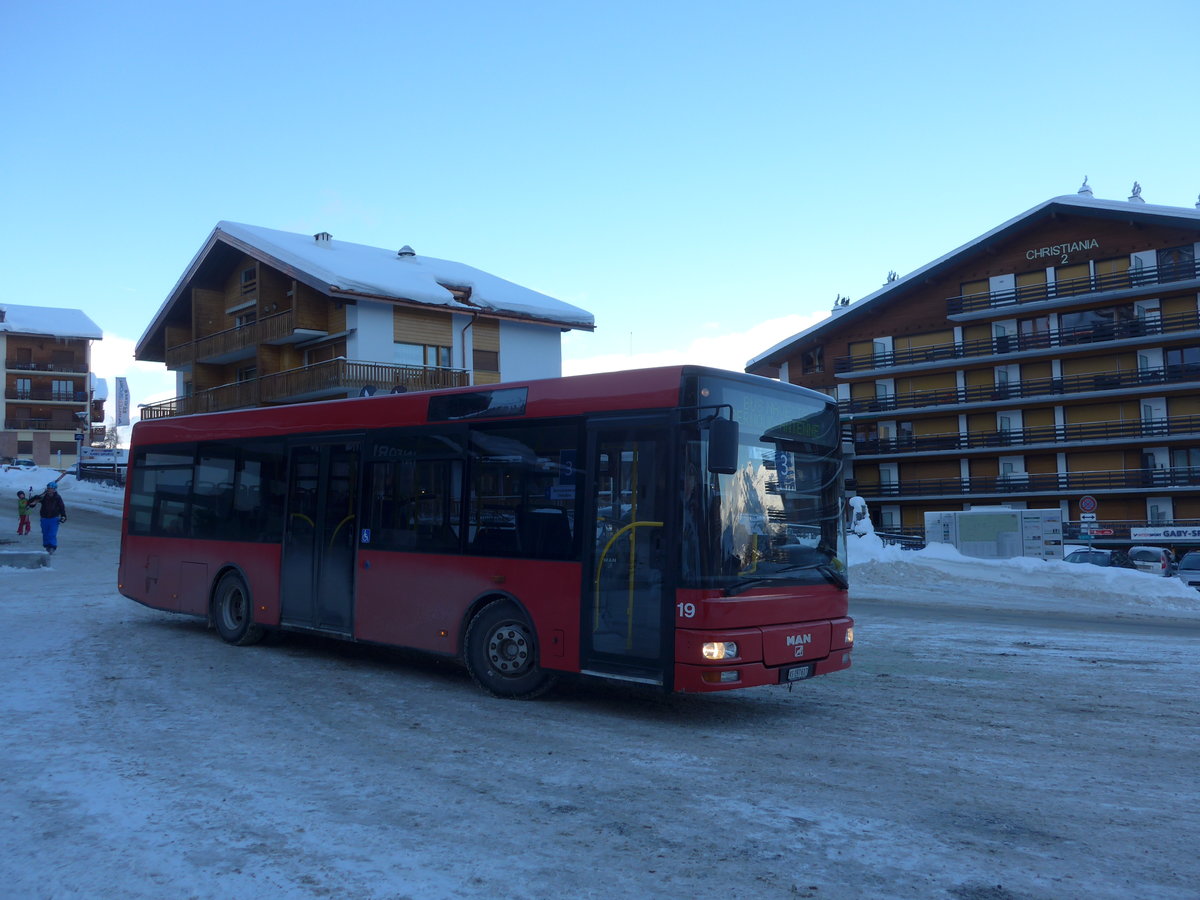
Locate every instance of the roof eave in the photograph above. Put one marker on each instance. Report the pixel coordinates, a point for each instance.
(1108, 209)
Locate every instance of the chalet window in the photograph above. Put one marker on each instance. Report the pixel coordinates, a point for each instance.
(486, 360)
(1035, 332)
(24, 388)
(249, 279)
(813, 361)
(1090, 325)
(247, 373)
(62, 390)
(324, 352)
(1176, 262)
(1112, 272)
(1183, 361)
(249, 317)
(429, 355)
(1185, 459)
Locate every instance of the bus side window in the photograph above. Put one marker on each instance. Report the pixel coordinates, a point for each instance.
(411, 505)
(524, 482)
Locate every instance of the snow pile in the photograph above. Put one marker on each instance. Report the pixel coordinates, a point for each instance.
(940, 574)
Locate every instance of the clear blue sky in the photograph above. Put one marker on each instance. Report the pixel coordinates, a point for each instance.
(703, 177)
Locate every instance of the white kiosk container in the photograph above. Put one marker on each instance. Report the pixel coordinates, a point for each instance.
(998, 532)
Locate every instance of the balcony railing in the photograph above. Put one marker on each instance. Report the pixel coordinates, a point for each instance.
(39, 425)
(1089, 432)
(46, 395)
(1033, 387)
(76, 368)
(1073, 287)
(1026, 483)
(335, 378)
(231, 340)
(999, 346)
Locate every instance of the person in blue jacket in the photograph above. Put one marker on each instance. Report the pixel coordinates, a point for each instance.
(54, 513)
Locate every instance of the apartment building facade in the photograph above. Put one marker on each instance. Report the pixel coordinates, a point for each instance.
(1053, 361)
(52, 402)
(263, 317)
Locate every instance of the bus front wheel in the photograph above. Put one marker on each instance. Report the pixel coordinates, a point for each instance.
(502, 653)
(232, 612)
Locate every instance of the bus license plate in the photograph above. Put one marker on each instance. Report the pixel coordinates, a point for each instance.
(798, 673)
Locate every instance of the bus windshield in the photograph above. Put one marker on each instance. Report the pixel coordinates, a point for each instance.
(778, 517)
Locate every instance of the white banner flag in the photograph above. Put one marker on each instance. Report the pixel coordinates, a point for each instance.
(121, 416)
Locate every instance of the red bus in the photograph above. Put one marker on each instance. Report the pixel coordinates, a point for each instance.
(679, 526)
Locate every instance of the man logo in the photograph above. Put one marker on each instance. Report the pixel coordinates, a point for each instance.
(796, 640)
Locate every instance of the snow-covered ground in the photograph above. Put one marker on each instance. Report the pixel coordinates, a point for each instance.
(1007, 755)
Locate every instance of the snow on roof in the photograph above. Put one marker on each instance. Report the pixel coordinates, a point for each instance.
(1083, 201)
(48, 320)
(379, 272)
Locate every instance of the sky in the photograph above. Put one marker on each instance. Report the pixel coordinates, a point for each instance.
(705, 179)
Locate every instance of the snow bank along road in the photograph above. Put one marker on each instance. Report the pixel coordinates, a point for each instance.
(976, 758)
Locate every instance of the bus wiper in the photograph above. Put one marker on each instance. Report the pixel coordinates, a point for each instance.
(834, 575)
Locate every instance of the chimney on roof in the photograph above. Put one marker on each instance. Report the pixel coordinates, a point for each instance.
(1136, 196)
(406, 251)
(323, 237)
(1085, 189)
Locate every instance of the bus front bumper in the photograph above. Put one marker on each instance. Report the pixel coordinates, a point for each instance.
(780, 654)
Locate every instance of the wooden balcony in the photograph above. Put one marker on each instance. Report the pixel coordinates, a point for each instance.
(1046, 388)
(238, 343)
(14, 365)
(1005, 345)
(323, 381)
(1178, 479)
(39, 425)
(1145, 281)
(1085, 433)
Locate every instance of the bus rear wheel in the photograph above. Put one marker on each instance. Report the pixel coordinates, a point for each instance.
(233, 613)
(502, 653)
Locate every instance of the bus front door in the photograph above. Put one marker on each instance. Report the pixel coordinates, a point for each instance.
(317, 581)
(626, 584)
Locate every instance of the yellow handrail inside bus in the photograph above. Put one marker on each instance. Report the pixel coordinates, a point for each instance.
(333, 536)
(600, 567)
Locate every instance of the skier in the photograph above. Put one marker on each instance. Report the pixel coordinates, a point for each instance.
(53, 512)
(22, 513)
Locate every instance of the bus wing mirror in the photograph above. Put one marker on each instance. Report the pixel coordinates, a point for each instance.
(722, 446)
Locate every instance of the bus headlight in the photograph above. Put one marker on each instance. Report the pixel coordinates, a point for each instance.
(719, 650)
(850, 635)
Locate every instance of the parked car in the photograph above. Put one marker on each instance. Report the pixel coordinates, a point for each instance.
(1189, 569)
(1099, 557)
(1156, 560)
(20, 465)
